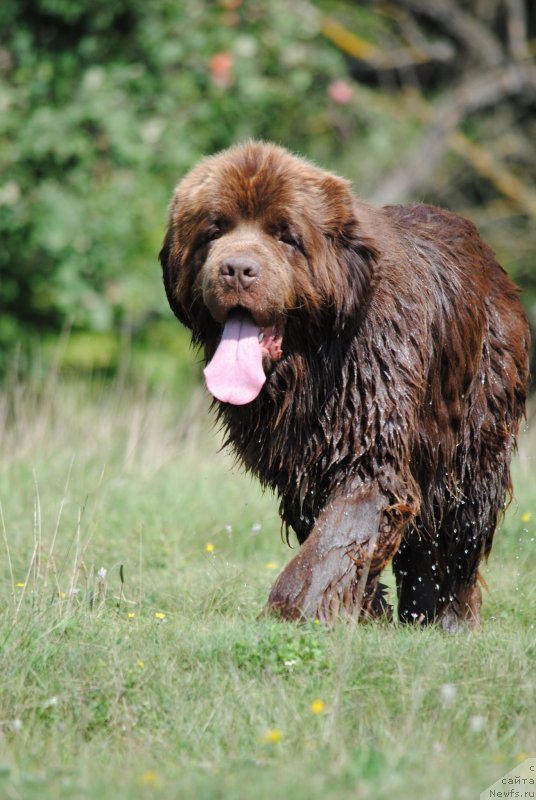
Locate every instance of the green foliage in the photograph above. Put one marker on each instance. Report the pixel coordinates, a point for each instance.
(283, 649)
(103, 107)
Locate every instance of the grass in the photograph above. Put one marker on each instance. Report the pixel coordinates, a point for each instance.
(134, 662)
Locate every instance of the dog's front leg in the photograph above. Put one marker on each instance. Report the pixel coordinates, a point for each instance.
(337, 569)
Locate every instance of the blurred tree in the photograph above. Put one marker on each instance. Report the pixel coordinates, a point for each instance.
(104, 106)
(465, 70)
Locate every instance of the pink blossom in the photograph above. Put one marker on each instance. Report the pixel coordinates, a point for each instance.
(340, 92)
(221, 70)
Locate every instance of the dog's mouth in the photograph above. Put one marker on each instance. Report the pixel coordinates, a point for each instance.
(236, 372)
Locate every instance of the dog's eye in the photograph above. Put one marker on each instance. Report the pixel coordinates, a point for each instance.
(209, 234)
(286, 237)
(214, 232)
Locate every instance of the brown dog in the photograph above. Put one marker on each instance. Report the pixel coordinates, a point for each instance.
(370, 365)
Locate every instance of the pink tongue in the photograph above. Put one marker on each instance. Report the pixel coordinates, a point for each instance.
(235, 374)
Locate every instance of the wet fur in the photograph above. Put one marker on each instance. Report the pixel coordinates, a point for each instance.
(403, 378)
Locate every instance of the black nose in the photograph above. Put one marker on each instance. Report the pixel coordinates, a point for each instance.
(239, 272)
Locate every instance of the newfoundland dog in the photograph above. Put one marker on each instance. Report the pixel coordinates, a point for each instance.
(369, 365)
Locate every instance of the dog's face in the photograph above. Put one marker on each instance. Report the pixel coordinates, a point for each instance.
(262, 235)
(265, 255)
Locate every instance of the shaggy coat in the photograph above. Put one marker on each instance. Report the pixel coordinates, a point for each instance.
(396, 368)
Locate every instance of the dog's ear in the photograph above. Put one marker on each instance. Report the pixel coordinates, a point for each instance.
(358, 254)
(179, 289)
(170, 259)
(353, 249)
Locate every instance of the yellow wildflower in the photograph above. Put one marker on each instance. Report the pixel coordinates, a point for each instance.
(140, 663)
(271, 565)
(159, 615)
(131, 615)
(272, 736)
(317, 706)
(150, 778)
(526, 517)
(20, 585)
(209, 548)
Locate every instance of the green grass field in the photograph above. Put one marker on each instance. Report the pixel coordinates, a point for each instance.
(135, 562)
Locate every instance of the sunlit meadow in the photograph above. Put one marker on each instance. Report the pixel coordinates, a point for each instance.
(136, 663)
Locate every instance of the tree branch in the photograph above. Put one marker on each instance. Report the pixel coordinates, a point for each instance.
(484, 161)
(472, 95)
(517, 30)
(467, 30)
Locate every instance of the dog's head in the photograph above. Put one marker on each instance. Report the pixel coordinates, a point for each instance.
(258, 237)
